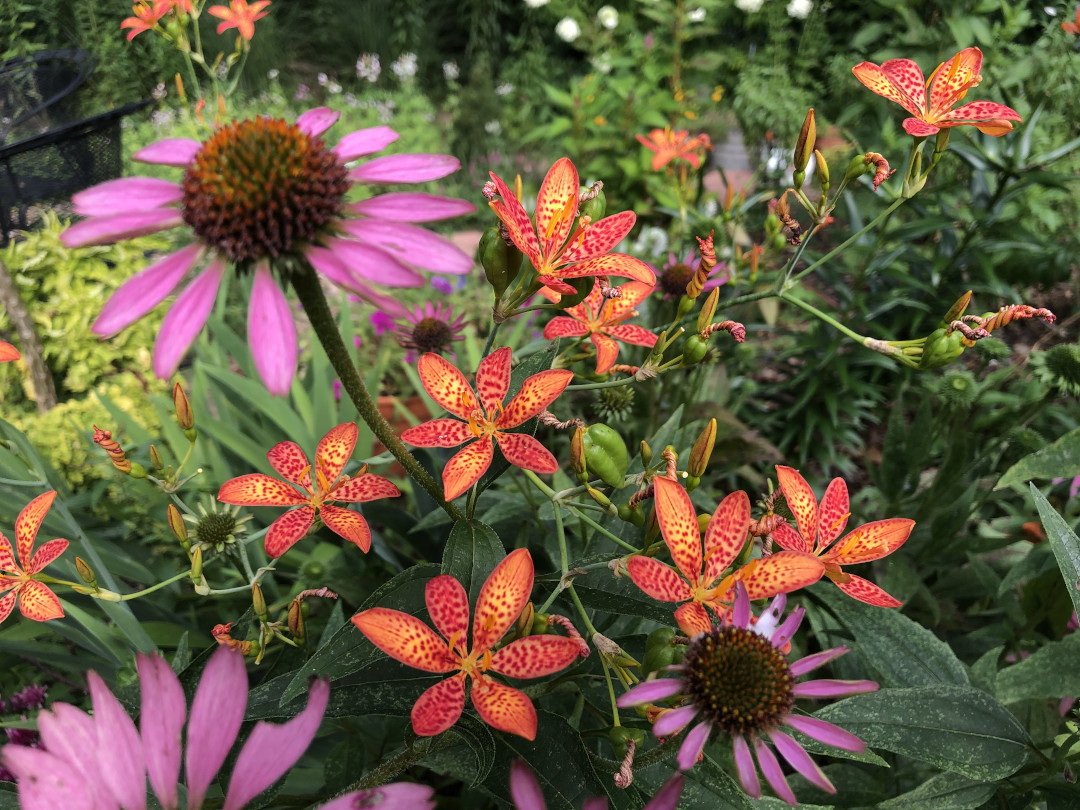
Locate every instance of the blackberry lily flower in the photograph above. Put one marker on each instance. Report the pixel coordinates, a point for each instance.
(19, 582)
(736, 678)
(268, 197)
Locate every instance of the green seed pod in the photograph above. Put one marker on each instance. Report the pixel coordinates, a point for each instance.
(540, 625)
(694, 350)
(659, 651)
(858, 166)
(605, 454)
(941, 349)
(501, 261)
(660, 637)
(621, 735)
(595, 208)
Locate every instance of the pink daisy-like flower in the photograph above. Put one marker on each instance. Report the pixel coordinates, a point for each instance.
(526, 793)
(676, 274)
(430, 328)
(736, 678)
(269, 198)
(101, 761)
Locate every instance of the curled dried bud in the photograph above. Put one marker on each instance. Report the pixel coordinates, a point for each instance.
(116, 452)
(571, 631)
(767, 525)
(640, 495)
(736, 329)
(782, 210)
(222, 637)
(705, 266)
(622, 368)
(671, 460)
(882, 172)
(546, 417)
(968, 332)
(625, 777)
(324, 593)
(1006, 315)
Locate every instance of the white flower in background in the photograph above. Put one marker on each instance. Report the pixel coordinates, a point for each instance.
(385, 110)
(158, 93)
(608, 17)
(696, 15)
(799, 9)
(450, 71)
(710, 207)
(651, 242)
(749, 6)
(536, 3)
(367, 67)
(350, 99)
(272, 74)
(493, 127)
(567, 29)
(333, 87)
(504, 89)
(404, 67)
(602, 63)
(323, 79)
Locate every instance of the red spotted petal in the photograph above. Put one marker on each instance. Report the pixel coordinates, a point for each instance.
(866, 591)
(439, 707)
(783, 572)
(611, 264)
(510, 210)
(37, 602)
(951, 80)
(995, 128)
(466, 467)
(291, 463)
(629, 333)
(7, 555)
(833, 512)
(493, 378)
(448, 606)
(502, 598)
(607, 352)
(632, 293)
(980, 111)
(504, 708)
(800, 499)
(535, 656)
(446, 385)
(438, 433)
(524, 451)
(919, 128)
(555, 285)
(726, 534)
(335, 449)
(256, 489)
(871, 541)
(27, 524)
(898, 80)
(365, 487)
(557, 205)
(537, 392)
(46, 554)
(692, 619)
(287, 530)
(658, 580)
(405, 638)
(788, 538)
(8, 352)
(600, 237)
(348, 524)
(7, 603)
(561, 326)
(679, 526)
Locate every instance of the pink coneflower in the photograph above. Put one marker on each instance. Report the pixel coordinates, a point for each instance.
(269, 198)
(676, 274)
(101, 761)
(430, 328)
(526, 793)
(736, 678)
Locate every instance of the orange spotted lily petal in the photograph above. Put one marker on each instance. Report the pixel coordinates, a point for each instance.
(561, 246)
(819, 526)
(900, 80)
(311, 498)
(668, 145)
(17, 580)
(239, 15)
(484, 417)
(602, 320)
(697, 581)
(502, 597)
(8, 352)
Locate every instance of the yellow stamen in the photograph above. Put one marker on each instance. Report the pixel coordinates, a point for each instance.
(454, 640)
(839, 520)
(324, 485)
(485, 662)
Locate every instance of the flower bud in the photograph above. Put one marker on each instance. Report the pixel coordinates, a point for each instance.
(499, 260)
(116, 452)
(708, 309)
(822, 171)
(525, 621)
(184, 417)
(178, 526)
(694, 350)
(296, 620)
(86, 573)
(196, 575)
(258, 602)
(605, 454)
(602, 499)
(702, 450)
(593, 203)
(155, 459)
(957, 309)
(804, 147)
(646, 454)
(577, 455)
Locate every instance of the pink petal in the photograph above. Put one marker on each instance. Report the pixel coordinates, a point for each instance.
(170, 152)
(411, 243)
(693, 745)
(406, 206)
(145, 290)
(651, 691)
(919, 128)
(812, 662)
(773, 773)
(216, 714)
(119, 750)
(315, 122)
(164, 710)
(800, 760)
(671, 722)
(395, 796)
(185, 319)
(832, 688)
(125, 195)
(745, 768)
(69, 734)
(272, 333)
(405, 169)
(364, 142)
(327, 263)
(524, 789)
(785, 632)
(270, 750)
(46, 782)
(825, 732)
(106, 230)
(668, 796)
(373, 263)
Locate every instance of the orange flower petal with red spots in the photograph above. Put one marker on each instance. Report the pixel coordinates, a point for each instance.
(553, 284)
(833, 512)
(7, 555)
(679, 526)
(502, 598)
(537, 392)
(37, 602)
(513, 214)
(287, 530)
(630, 333)
(952, 79)
(997, 115)
(898, 80)
(466, 467)
(523, 451)
(788, 538)
(535, 656)
(783, 572)
(405, 638)
(561, 326)
(438, 433)
(27, 524)
(607, 352)
(692, 619)
(448, 605)
(611, 264)
(256, 489)
(726, 534)
(46, 554)
(348, 524)
(868, 592)
(365, 487)
(7, 603)
(919, 128)
(446, 385)
(335, 449)
(658, 580)
(439, 707)
(493, 378)
(871, 541)
(8, 352)
(556, 206)
(800, 499)
(632, 293)
(291, 463)
(504, 708)
(599, 237)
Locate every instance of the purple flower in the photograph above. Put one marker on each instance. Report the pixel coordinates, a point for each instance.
(442, 285)
(381, 322)
(431, 328)
(265, 196)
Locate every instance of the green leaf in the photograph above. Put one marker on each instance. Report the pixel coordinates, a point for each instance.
(470, 757)
(622, 597)
(1053, 671)
(1064, 542)
(956, 728)
(902, 652)
(945, 791)
(472, 552)
(1058, 460)
(709, 785)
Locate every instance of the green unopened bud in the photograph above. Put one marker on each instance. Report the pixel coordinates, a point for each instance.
(804, 147)
(525, 621)
(500, 261)
(822, 171)
(646, 454)
(296, 620)
(694, 350)
(605, 454)
(702, 450)
(957, 309)
(577, 455)
(596, 205)
(686, 303)
(708, 309)
(155, 459)
(941, 140)
(941, 349)
(86, 573)
(703, 522)
(857, 168)
(178, 526)
(692, 482)
(540, 626)
(184, 416)
(620, 737)
(196, 568)
(258, 602)
(602, 499)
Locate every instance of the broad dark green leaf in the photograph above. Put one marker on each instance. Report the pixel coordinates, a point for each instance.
(1053, 671)
(471, 554)
(470, 757)
(1064, 542)
(709, 785)
(9, 799)
(621, 597)
(1058, 460)
(956, 728)
(945, 791)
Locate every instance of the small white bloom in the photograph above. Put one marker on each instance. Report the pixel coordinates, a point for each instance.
(450, 71)
(799, 9)
(333, 87)
(367, 67)
(272, 74)
(710, 207)
(567, 29)
(323, 79)
(158, 93)
(696, 15)
(1050, 10)
(749, 6)
(493, 127)
(536, 3)
(504, 89)
(602, 63)
(652, 242)
(608, 17)
(404, 67)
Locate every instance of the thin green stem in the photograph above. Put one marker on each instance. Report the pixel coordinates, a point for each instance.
(581, 610)
(823, 316)
(597, 527)
(851, 239)
(611, 693)
(490, 340)
(137, 594)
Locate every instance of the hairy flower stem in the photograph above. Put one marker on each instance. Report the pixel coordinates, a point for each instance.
(312, 298)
